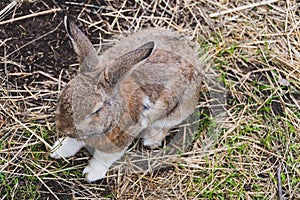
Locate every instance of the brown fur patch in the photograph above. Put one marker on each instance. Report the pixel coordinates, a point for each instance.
(188, 71)
(135, 107)
(135, 103)
(185, 67)
(162, 56)
(119, 137)
(64, 121)
(153, 91)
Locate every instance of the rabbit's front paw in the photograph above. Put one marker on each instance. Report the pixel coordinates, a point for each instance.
(94, 171)
(99, 164)
(152, 144)
(65, 147)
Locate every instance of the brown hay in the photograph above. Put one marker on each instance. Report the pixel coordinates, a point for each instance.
(254, 49)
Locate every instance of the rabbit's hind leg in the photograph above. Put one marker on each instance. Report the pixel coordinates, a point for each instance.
(99, 164)
(65, 147)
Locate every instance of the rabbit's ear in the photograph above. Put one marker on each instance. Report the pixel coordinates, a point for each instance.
(116, 70)
(83, 47)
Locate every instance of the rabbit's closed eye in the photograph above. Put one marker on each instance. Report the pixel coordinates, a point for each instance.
(97, 108)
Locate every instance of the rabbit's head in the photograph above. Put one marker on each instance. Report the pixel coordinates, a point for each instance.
(84, 106)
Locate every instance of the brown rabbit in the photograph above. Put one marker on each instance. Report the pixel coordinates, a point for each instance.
(142, 87)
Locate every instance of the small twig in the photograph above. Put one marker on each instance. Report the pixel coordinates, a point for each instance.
(24, 126)
(46, 186)
(81, 4)
(5, 11)
(217, 14)
(279, 183)
(31, 15)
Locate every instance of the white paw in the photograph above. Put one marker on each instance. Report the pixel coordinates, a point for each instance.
(94, 171)
(99, 164)
(65, 147)
(152, 144)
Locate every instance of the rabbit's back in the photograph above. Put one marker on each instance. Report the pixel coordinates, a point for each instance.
(160, 92)
(164, 40)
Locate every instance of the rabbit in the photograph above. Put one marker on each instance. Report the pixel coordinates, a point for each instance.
(140, 88)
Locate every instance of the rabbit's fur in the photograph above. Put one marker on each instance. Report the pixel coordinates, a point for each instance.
(146, 84)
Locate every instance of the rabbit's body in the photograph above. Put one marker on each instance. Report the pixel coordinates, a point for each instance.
(142, 87)
(155, 96)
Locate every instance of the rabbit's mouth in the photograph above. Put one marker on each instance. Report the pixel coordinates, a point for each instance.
(84, 134)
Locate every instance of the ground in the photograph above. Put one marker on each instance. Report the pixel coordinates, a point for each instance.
(249, 107)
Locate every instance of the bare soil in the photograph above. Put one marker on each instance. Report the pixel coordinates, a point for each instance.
(254, 52)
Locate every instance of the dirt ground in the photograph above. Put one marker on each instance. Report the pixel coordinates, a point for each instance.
(252, 53)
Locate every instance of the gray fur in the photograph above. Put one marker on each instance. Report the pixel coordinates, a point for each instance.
(143, 86)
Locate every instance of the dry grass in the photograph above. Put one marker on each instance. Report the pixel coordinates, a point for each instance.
(254, 61)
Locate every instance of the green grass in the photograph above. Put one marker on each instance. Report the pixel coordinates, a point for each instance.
(246, 54)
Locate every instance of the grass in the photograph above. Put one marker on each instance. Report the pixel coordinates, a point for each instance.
(247, 141)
